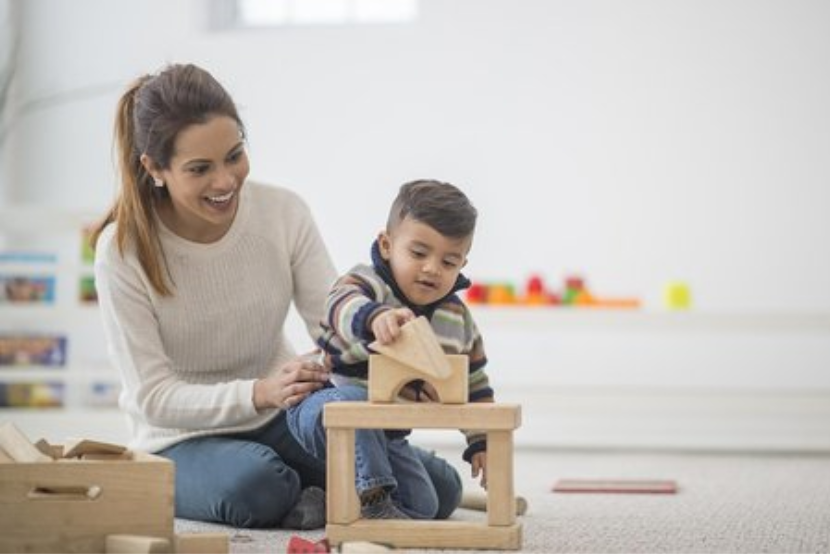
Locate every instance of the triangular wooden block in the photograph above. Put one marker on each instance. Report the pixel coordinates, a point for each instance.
(75, 447)
(418, 348)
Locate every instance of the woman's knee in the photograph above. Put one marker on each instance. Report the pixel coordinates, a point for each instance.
(241, 483)
(262, 493)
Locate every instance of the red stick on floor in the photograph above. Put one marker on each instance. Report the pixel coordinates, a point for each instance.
(614, 486)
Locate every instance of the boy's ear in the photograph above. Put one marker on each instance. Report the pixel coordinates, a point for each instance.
(385, 245)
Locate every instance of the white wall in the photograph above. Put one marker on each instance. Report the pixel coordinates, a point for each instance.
(633, 141)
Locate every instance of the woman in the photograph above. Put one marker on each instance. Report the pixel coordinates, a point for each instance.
(196, 270)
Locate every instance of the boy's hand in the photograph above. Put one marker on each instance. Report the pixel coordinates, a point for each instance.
(386, 326)
(479, 465)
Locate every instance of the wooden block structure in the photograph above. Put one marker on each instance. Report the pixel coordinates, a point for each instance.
(417, 355)
(498, 420)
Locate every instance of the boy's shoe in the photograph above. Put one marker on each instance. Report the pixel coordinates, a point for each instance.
(310, 511)
(380, 506)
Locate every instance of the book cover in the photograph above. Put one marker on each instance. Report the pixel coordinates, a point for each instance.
(27, 289)
(32, 350)
(32, 394)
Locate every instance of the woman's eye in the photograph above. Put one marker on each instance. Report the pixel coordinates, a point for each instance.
(198, 170)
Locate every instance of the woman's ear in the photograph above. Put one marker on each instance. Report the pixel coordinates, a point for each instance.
(151, 167)
(385, 245)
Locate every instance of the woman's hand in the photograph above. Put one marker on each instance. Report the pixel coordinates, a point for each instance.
(386, 326)
(295, 381)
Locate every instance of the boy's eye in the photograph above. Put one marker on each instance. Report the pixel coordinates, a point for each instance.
(450, 264)
(418, 254)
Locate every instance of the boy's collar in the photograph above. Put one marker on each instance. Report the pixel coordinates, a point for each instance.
(381, 266)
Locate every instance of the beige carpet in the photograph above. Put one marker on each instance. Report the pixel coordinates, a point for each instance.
(727, 503)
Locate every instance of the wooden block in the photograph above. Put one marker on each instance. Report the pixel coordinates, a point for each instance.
(387, 376)
(445, 534)
(501, 499)
(615, 486)
(125, 543)
(477, 501)
(418, 348)
(75, 447)
(53, 451)
(474, 416)
(125, 456)
(366, 547)
(296, 544)
(342, 503)
(203, 542)
(18, 447)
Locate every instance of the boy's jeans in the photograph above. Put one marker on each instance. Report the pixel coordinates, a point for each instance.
(379, 460)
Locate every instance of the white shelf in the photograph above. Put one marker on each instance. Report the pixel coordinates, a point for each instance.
(575, 318)
(56, 234)
(42, 220)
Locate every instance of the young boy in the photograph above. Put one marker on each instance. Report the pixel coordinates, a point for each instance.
(415, 271)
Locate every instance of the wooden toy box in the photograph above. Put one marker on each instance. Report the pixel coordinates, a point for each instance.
(70, 506)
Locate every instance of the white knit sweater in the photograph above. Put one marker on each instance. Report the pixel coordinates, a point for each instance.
(188, 362)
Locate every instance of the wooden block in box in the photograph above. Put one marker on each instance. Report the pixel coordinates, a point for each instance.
(72, 506)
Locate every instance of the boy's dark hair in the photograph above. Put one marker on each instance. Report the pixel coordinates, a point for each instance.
(442, 206)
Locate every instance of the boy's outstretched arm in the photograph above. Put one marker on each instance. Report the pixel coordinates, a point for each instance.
(351, 306)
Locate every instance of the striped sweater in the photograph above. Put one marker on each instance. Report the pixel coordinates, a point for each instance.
(367, 290)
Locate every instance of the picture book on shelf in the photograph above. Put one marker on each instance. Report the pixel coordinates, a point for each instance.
(102, 394)
(32, 350)
(87, 294)
(27, 289)
(32, 394)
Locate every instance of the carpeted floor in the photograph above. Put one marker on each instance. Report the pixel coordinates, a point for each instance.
(726, 503)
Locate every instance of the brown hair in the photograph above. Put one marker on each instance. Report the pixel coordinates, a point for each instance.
(151, 113)
(440, 205)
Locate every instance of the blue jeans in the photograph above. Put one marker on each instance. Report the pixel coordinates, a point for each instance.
(252, 479)
(422, 485)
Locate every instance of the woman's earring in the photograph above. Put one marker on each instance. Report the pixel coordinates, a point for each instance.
(158, 182)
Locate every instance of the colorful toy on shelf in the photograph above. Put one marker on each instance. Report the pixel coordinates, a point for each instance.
(501, 294)
(477, 293)
(536, 294)
(677, 296)
(574, 293)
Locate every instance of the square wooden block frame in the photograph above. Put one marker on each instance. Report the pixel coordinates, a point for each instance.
(498, 420)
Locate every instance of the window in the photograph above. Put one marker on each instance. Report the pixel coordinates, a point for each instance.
(276, 13)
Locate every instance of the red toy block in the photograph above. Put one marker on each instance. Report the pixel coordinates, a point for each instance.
(301, 545)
